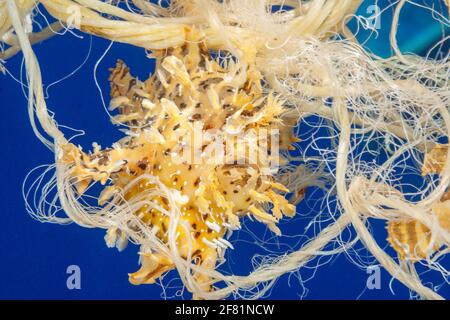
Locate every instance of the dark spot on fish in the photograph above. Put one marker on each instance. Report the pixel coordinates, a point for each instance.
(248, 113)
(103, 160)
(202, 63)
(142, 165)
(131, 84)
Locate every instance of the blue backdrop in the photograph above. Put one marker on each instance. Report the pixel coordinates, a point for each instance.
(34, 257)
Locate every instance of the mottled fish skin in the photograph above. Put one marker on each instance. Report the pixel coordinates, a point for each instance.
(188, 87)
(412, 239)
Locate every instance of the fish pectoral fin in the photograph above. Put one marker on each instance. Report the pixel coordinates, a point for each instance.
(153, 266)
